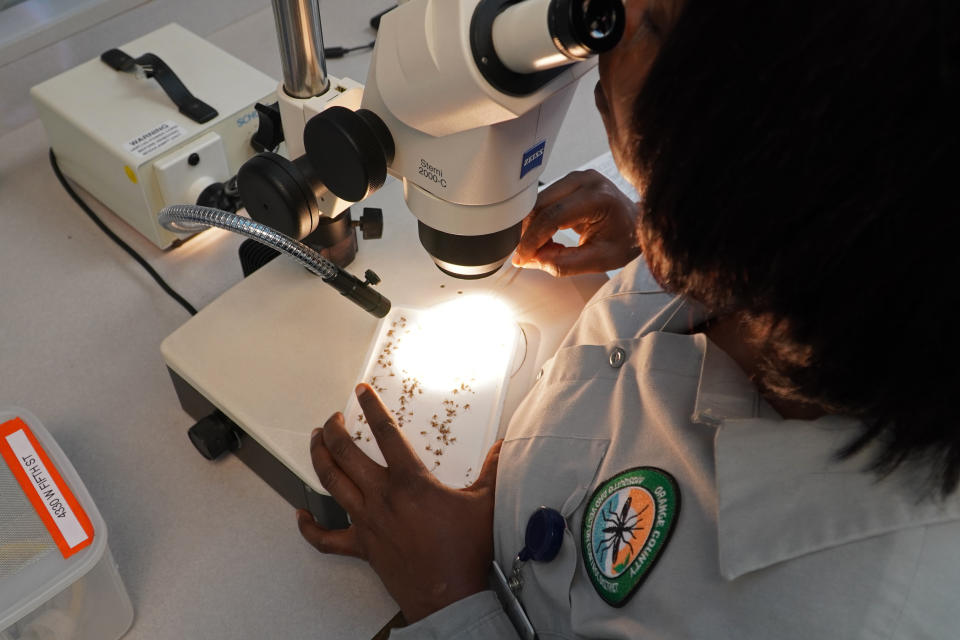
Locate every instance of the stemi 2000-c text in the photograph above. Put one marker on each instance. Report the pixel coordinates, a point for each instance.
(432, 173)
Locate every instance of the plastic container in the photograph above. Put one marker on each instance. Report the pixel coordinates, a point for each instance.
(58, 580)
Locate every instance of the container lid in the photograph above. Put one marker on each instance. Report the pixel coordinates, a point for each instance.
(51, 533)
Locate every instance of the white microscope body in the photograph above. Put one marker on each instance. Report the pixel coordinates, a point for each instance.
(471, 94)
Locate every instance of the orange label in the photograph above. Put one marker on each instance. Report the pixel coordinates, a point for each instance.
(50, 496)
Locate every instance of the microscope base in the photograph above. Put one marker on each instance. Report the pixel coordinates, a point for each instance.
(291, 488)
(281, 351)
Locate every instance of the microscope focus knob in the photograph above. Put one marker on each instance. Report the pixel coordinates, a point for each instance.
(280, 193)
(214, 435)
(371, 223)
(349, 151)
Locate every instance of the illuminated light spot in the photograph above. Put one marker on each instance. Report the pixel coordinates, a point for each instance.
(130, 174)
(471, 338)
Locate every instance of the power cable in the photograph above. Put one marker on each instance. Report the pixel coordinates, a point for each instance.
(339, 52)
(113, 236)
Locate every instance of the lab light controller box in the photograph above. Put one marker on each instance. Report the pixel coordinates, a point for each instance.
(58, 580)
(120, 136)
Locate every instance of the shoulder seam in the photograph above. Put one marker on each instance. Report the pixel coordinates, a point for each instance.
(913, 585)
(623, 293)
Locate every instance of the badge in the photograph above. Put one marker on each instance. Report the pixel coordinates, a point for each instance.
(626, 526)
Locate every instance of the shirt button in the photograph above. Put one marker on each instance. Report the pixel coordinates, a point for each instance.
(617, 357)
(540, 374)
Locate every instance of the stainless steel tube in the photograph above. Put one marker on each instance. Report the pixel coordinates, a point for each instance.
(190, 217)
(301, 47)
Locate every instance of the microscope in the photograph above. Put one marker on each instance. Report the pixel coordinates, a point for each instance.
(462, 105)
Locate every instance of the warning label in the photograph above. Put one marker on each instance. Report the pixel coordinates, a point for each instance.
(149, 142)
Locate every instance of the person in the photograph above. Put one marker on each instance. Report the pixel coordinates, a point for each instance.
(749, 432)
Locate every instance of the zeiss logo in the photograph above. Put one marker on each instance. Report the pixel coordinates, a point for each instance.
(532, 158)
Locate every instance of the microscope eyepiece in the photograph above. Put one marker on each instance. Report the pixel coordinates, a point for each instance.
(582, 28)
(601, 18)
(533, 36)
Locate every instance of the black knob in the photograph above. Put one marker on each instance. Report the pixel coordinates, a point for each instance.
(219, 196)
(349, 150)
(371, 223)
(214, 435)
(269, 133)
(280, 193)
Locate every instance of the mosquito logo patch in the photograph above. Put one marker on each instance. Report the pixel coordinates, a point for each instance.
(626, 526)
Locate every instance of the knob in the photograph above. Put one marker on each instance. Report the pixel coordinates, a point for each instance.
(349, 150)
(214, 435)
(269, 133)
(279, 193)
(371, 223)
(219, 196)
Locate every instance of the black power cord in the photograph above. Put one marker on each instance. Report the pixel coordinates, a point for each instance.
(375, 20)
(113, 236)
(339, 52)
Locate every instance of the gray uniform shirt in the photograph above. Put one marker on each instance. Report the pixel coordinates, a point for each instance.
(773, 537)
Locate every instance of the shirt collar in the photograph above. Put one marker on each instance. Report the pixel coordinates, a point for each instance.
(781, 492)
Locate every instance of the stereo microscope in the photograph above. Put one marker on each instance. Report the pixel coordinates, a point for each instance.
(462, 105)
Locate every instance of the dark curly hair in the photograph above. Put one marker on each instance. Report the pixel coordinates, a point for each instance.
(799, 166)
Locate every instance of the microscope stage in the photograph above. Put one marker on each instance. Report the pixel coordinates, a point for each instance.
(281, 351)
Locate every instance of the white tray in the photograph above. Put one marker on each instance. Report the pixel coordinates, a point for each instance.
(443, 372)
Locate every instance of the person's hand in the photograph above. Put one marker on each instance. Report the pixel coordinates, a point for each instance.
(603, 216)
(431, 545)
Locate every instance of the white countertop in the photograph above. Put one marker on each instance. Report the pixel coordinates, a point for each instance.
(206, 550)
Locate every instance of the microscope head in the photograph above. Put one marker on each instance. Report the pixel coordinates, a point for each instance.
(462, 103)
(474, 93)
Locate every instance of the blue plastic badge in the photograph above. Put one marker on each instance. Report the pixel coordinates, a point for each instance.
(532, 158)
(544, 535)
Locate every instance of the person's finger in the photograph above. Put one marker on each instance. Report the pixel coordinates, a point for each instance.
(342, 542)
(566, 186)
(560, 189)
(578, 208)
(560, 261)
(358, 466)
(396, 450)
(487, 480)
(550, 195)
(331, 476)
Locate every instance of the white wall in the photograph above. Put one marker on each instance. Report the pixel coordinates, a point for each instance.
(200, 16)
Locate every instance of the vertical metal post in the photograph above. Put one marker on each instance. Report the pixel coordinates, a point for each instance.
(301, 47)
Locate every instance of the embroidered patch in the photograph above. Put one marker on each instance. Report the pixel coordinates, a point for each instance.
(626, 526)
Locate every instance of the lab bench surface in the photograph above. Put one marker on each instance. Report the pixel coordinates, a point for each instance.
(205, 549)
